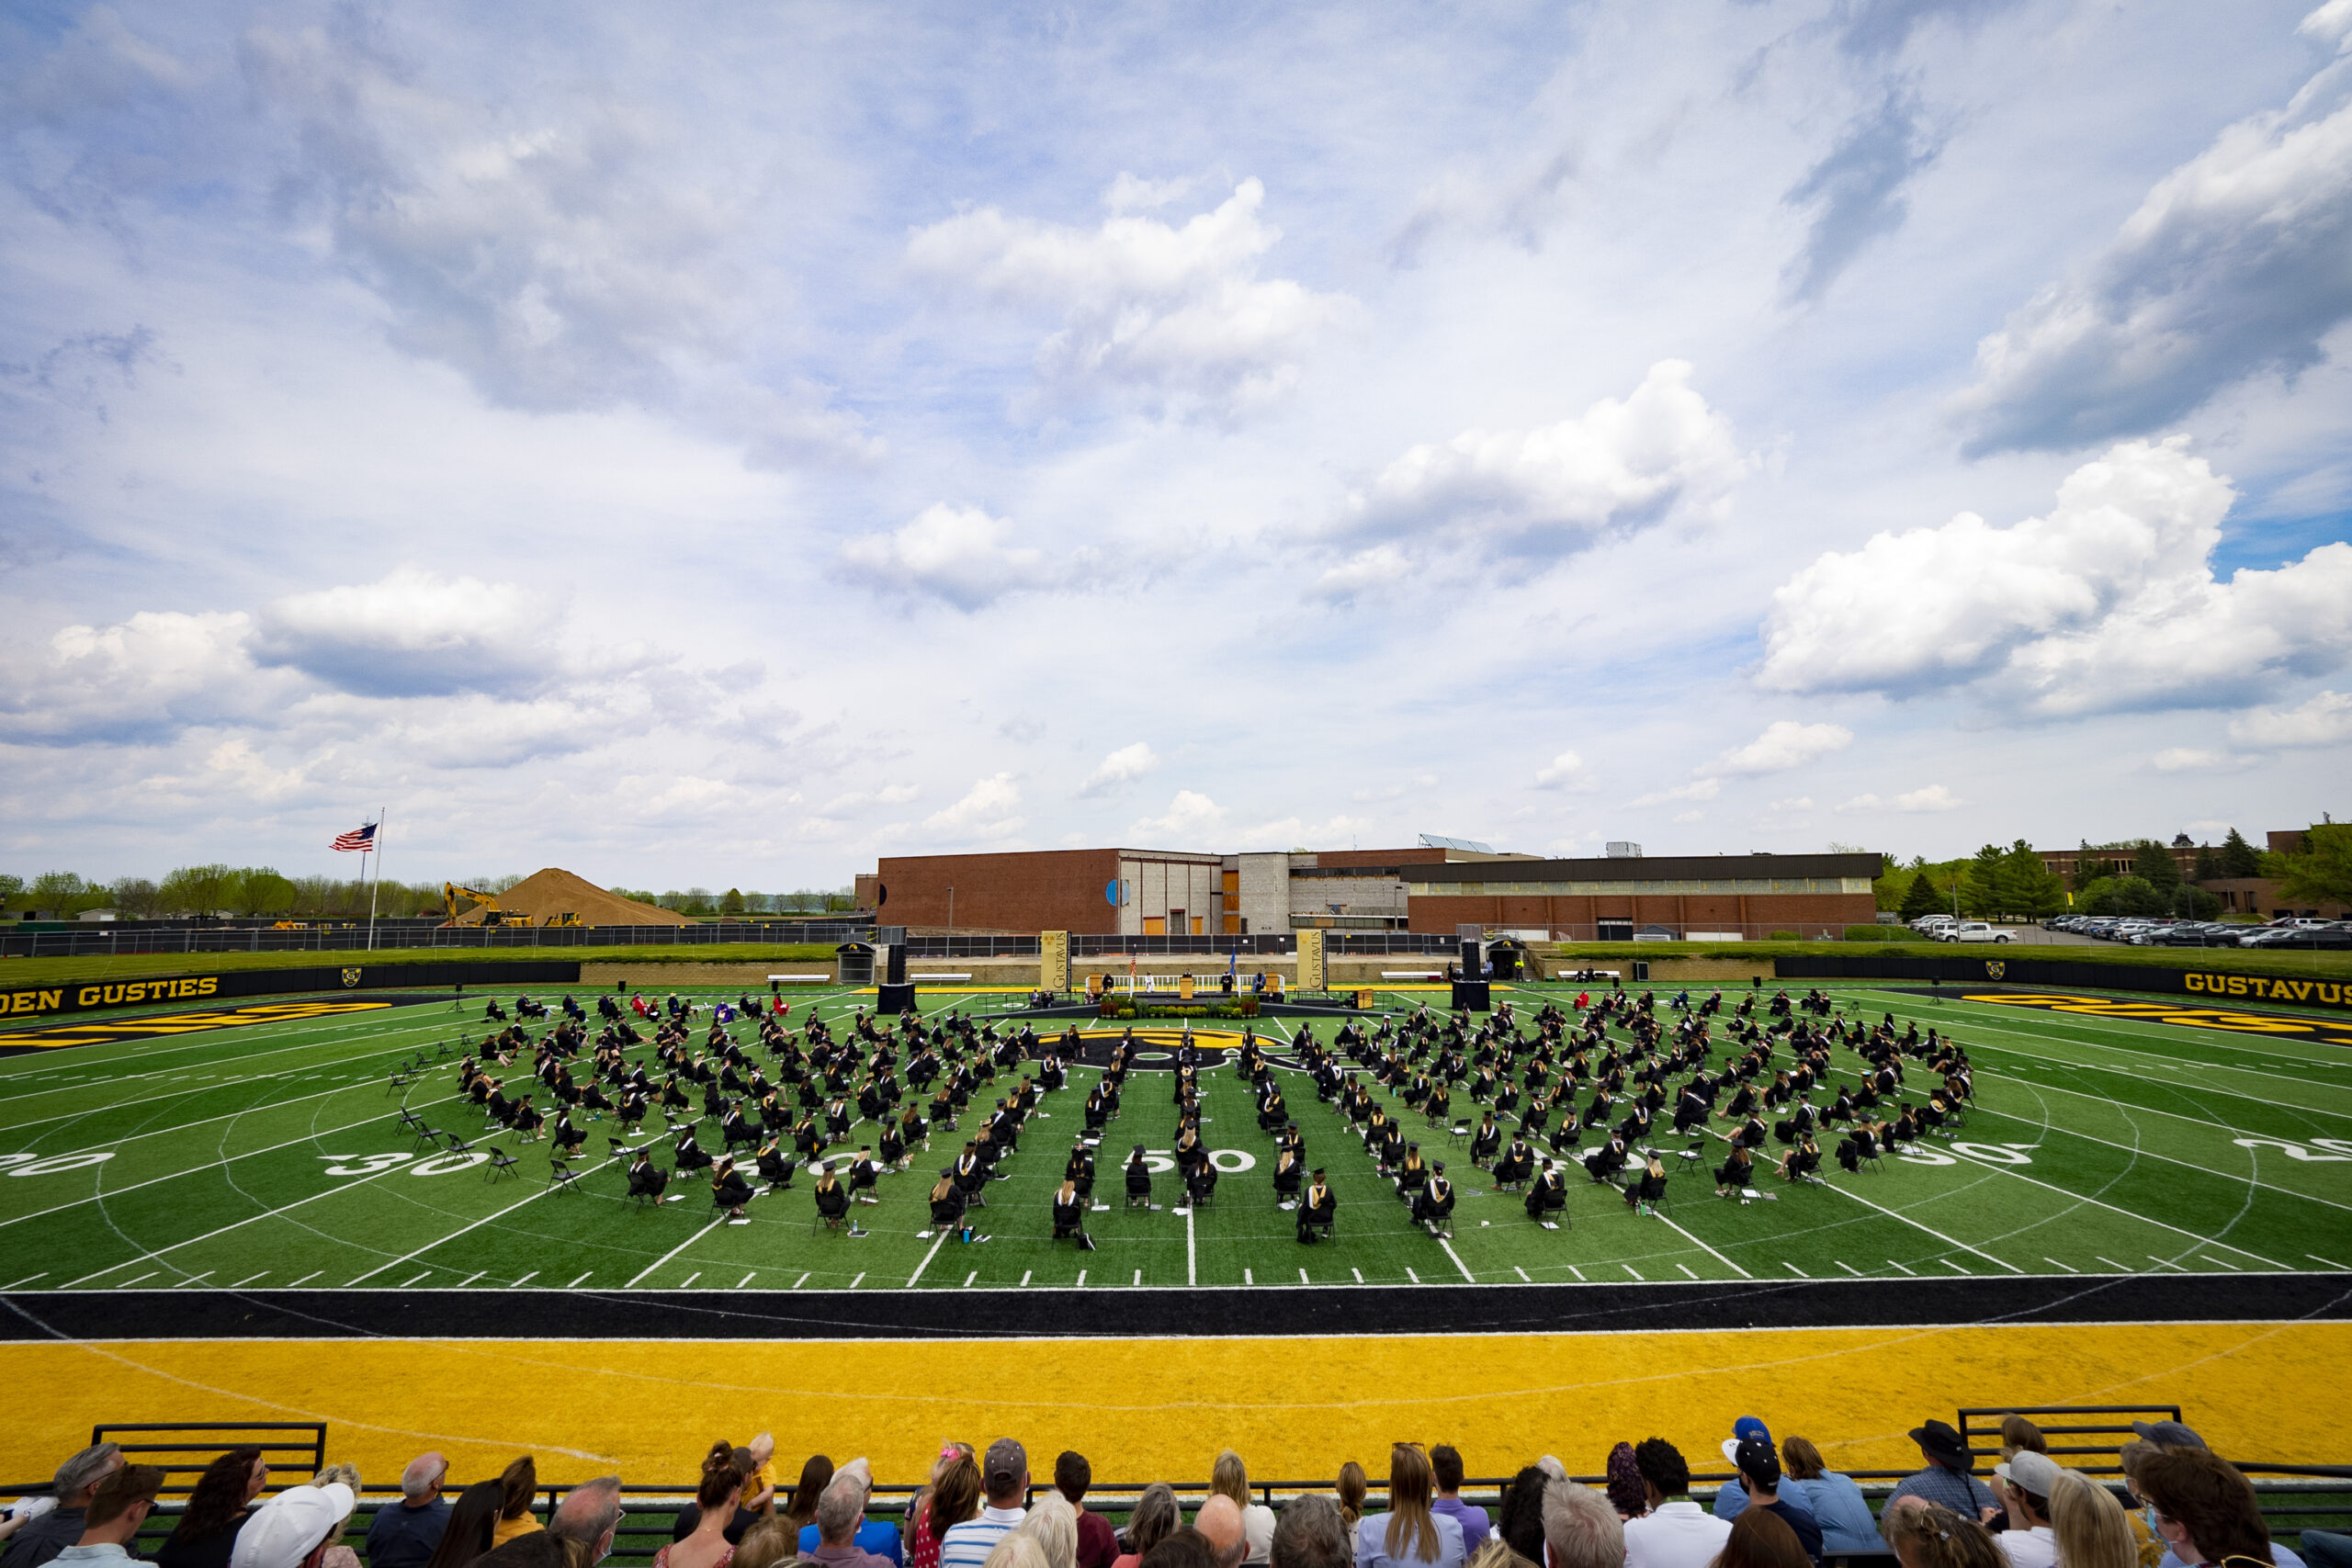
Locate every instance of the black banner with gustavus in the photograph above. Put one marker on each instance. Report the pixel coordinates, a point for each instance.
(2205, 984)
(84, 996)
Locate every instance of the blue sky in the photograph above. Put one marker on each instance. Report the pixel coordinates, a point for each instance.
(722, 446)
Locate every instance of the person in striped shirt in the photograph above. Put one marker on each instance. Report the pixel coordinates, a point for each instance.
(1004, 1476)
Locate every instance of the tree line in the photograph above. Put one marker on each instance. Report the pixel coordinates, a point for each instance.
(1998, 883)
(261, 891)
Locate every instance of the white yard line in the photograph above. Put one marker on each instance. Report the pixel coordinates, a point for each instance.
(916, 1276)
(1457, 1260)
(2069, 1268)
(2012, 1171)
(675, 1250)
(214, 1165)
(533, 1196)
(1940, 1235)
(1697, 1243)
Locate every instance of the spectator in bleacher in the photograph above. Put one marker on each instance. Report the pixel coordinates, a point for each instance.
(1929, 1535)
(472, 1519)
(1626, 1492)
(1053, 1524)
(1676, 1532)
(1837, 1505)
(840, 1513)
(1408, 1533)
(578, 1534)
(404, 1534)
(689, 1519)
(815, 1476)
(1311, 1533)
(1004, 1482)
(2022, 1482)
(1352, 1486)
(521, 1479)
(1947, 1478)
(1184, 1548)
(1016, 1551)
(2017, 1432)
(1220, 1520)
(765, 1545)
(1098, 1543)
(2207, 1512)
(76, 1482)
(215, 1510)
(875, 1538)
(1762, 1538)
(121, 1505)
(953, 1496)
(1760, 1473)
(2327, 1548)
(1153, 1519)
(1230, 1478)
(1731, 1497)
(2090, 1526)
(1580, 1529)
(1520, 1520)
(302, 1525)
(708, 1543)
(1445, 1471)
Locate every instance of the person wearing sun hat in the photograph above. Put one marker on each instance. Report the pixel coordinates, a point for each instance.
(1946, 1479)
(294, 1528)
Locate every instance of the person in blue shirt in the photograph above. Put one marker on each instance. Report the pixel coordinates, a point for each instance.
(1731, 1497)
(1759, 1472)
(1838, 1504)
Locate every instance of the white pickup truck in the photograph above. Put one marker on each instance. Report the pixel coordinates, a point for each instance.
(1971, 930)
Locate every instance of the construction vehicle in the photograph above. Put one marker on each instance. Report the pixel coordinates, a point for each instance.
(566, 918)
(492, 913)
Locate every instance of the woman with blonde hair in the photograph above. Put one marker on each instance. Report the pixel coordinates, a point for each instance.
(1408, 1533)
(2092, 1528)
(1053, 1524)
(1020, 1551)
(1229, 1478)
(1929, 1535)
(521, 1480)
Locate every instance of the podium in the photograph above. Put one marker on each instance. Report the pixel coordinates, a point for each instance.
(1470, 996)
(900, 997)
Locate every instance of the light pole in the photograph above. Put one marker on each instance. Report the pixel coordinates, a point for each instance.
(951, 911)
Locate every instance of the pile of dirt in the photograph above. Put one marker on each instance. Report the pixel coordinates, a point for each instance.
(558, 892)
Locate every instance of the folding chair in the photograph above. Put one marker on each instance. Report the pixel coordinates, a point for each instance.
(1459, 1132)
(501, 1164)
(1695, 1152)
(425, 1136)
(562, 1175)
(457, 1145)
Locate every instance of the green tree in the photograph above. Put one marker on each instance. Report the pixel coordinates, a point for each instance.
(1920, 898)
(2238, 857)
(1980, 884)
(197, 889)
(2153, 864)
(2320, 872)
(2087, 867)
(11, 889)
(2122, 896)
(260, 890)
(731, 902)
(135, 898)
(63, 893)
(2026, 886)
(2209, 864)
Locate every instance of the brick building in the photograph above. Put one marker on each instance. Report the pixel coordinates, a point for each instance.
(1426, 888)
(1697, 897)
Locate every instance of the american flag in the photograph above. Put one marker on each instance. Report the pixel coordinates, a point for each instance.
(361, 839)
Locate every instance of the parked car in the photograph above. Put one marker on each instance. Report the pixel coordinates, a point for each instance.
(1971, 931)
(2331, 937)
(2198, 934)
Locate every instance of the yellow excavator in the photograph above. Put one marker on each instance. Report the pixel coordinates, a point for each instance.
(492, 913)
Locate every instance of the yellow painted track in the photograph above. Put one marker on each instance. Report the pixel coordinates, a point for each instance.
(1141, 1409)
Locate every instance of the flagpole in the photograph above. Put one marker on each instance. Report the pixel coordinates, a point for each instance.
(376, 887)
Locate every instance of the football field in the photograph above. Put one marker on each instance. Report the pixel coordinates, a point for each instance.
(264, 1149)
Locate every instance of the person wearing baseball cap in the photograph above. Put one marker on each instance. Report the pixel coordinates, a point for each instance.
(1731, 1497)
(1947, 1479)
(1760, 1473)
(294, 1528)
(2023, 1483)
(1004, 1476)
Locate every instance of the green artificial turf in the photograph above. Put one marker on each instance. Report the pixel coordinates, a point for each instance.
(271, 1156)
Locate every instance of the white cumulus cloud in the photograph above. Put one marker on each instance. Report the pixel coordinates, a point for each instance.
(415, 634)
(1120, 768)
(1190, 816)
(2239, 260)
(2198, 759)
(1785, 744)
(990, 810)
(960, 556)
(1928, 798)
(1566, 771)
(2107, 602)
(1175, 310)
(1536, 496)
(2325, 720)
(1698, 789)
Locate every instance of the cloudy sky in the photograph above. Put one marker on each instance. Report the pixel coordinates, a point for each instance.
(720, 443)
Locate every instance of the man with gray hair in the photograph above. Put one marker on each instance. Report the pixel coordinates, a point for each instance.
(405, 1535)
(841, 1509)
(579, 1533)
(1311, 1534)
(76, 1482)
(1580, 1528)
